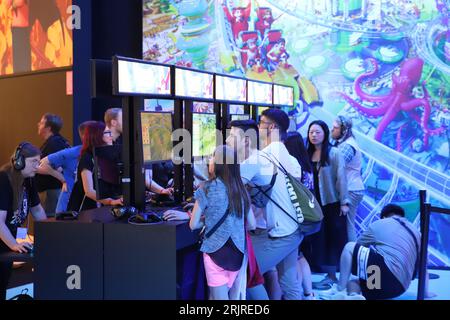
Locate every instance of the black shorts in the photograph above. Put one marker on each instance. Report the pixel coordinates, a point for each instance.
(387, 287)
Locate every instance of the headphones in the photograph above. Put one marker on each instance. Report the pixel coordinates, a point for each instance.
(18, 160)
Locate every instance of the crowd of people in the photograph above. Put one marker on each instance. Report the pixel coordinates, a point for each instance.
(255, 244)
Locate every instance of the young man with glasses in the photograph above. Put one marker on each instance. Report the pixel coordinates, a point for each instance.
(276, 244)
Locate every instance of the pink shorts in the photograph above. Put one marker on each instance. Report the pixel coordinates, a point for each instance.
(217, 276)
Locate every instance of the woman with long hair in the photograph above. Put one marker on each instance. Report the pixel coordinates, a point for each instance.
(224, 202)
(83, 195)
(18, 197)
(296, 147)
(330, 188)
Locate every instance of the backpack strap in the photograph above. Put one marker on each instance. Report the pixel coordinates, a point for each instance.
(282, 169)
(281, 208)
(218, 224)
(416, 265)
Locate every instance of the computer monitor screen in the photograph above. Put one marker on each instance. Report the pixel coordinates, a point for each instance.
(192, 84)
(282, 95)
(202, 107)
(156, 136)
(234, 117)
(231, 89)
(259, 92)
(142, 78)
(159, 105)
(236, 109)
(203, 134)
(107, 171)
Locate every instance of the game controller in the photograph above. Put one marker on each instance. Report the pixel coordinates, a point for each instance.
(119, 212)
(29, 250)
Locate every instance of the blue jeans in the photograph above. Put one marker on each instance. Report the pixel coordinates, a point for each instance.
(280, 253)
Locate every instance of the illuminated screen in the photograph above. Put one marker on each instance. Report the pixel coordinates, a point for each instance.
(156, 136)
(159, 105)
(202, 107)
(236, 109)
(203, 134)
(259, 92)
(240, 117)
(283, 96)
(193, 84)
(35, 35)
(142, 78)
(231, 89)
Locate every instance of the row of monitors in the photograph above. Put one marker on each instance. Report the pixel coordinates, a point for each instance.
(137, 77)
(158, 126)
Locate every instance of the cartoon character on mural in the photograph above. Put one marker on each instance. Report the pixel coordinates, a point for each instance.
(391, 73)
(399, 99)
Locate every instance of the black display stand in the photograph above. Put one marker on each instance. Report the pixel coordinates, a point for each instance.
(116, 260)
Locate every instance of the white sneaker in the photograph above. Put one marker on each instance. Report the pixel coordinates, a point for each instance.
(354, 296)
(333, 294)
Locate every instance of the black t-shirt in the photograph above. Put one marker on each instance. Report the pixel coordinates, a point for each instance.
(118, 141)
(30, 199)
(76, 202)
(53, 144)
(162, 173)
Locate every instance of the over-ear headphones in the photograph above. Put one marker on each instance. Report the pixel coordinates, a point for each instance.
(18, 160)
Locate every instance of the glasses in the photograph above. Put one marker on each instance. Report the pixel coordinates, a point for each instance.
(264, 122)
(107, 133)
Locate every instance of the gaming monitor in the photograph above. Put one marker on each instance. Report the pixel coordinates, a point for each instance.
(231, 89)
(234, 117)
(156, 136)
(194, 84)
(283, 95)
(236, 109)
(136, 77)
(203, 134)
(108, 168)
(259, 93)
(202, 107)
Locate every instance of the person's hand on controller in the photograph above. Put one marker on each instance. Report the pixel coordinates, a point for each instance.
(167, 191)
(117, 202)
(173, 215)
(23, 247)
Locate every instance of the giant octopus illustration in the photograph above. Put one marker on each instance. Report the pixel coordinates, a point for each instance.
(400, 98)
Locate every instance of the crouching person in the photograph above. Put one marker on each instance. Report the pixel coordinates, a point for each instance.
(384, 259)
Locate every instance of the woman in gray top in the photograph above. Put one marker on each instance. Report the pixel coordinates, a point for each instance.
(330, 188)
(224, 195)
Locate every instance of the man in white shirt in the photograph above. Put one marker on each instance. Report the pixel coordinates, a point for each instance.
(277, 245)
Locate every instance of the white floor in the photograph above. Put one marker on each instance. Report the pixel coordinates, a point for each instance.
(441, 287)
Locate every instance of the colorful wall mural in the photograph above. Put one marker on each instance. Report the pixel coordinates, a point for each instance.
(385, 64)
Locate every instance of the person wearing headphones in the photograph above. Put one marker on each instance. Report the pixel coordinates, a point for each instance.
(347, 145)
(384, 259)
(18, 197)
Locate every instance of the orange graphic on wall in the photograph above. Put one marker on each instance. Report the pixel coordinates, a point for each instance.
(34, 35)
